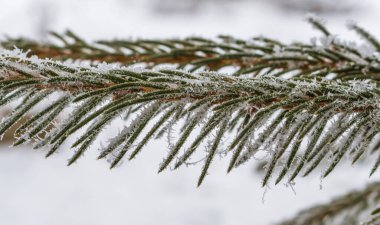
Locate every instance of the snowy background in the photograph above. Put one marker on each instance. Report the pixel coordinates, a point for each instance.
(37, 191)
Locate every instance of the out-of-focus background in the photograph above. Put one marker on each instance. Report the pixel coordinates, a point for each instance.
(39, 191)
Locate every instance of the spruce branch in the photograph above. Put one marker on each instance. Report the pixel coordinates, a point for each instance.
(261, 113)
(304, 105)
(325, 56)
(354, 208)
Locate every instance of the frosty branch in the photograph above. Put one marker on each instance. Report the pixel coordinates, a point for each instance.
(323, 56)
(330, 112)
(352, 208)
(304, 105)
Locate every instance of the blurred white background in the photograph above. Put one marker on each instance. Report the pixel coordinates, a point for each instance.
(39, 191)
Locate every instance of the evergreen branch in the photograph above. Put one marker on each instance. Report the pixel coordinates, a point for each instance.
(328, 57)
(350, 209)
(262, 113)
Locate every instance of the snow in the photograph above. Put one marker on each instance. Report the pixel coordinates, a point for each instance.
(43, 191)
